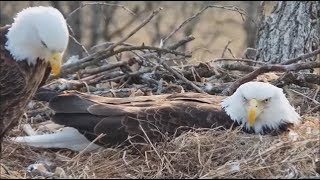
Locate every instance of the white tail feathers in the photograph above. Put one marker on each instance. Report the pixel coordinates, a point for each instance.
(69, 138)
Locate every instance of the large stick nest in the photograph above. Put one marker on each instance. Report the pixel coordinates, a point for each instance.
(201, 153)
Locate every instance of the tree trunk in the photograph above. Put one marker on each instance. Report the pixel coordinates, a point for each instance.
(290, 30)
(95, 23)
(249, 26)
(109, 15)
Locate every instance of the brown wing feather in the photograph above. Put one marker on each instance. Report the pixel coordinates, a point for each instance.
(18, 83)
(120, 117)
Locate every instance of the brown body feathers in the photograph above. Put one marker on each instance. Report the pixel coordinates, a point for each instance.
(18, 83)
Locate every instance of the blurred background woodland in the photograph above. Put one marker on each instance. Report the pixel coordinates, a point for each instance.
(213, 29)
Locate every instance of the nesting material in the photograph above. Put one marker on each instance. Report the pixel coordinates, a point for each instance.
(201, 153)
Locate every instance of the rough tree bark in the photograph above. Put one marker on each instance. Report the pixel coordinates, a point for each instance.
(290, 30)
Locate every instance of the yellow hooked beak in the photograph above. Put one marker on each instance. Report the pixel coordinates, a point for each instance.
(55, 62)
(255, 108)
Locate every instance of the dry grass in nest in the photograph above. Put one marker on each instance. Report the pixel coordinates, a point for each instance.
(202, 153)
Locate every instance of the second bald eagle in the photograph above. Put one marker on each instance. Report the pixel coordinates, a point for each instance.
(30, 49)
(260, 107)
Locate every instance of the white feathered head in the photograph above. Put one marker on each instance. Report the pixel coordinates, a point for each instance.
(260, 105)
(38, 32)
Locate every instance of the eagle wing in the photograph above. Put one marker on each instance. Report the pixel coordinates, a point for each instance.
(12, 85)
(137, 117)
(18, 82)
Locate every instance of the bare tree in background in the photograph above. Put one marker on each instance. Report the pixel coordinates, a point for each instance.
(75, 24)
(58, 5)
(108, 17)
(188, 30)
(249, 26)
(4, 19)
(95, 25)
(292, 29)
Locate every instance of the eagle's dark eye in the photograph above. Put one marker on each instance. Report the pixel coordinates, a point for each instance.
(244, 98)
(267, 100)
(44, 44)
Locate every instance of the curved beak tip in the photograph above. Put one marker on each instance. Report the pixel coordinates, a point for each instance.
(55, 63)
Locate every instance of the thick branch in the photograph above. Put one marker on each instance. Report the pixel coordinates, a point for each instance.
(301, 79)
(302, 57)
(104, 68)
(238, 67)
(268, 68)
(235, 59)
(181, 42)
(70, 68)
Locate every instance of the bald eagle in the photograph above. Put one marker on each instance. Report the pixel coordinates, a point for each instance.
(258, 107)
(31, 47)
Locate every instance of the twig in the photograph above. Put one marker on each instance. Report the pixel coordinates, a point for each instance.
(150, 142)
(144, 47)
(28, 130)
(238, 67)
(231, 53)
(268, 68)
(225, 48)
(313, 109)
(124, 158)
(183, 23)
(120, 30)
(71, 35)
(84, 150)
(126, 91)
(304, 80)
(181, 42)
(108, 44)
(155, 12)
(167, 67)
(101, 76)
(70, 29)
(313, 100)
(172, 47)
(302, 57)
(104, 68)
(236, 59)
(316, 93)
(78, 43)
(87, 86)
(231, 8)
(99, 3)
